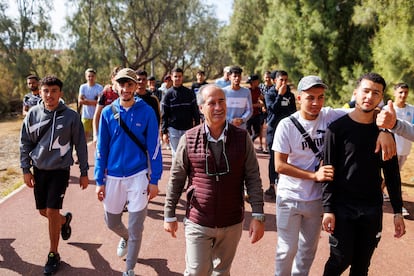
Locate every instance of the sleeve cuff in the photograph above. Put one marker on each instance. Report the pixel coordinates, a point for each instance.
(170, 219)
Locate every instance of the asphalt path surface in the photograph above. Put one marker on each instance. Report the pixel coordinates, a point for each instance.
(91, 250)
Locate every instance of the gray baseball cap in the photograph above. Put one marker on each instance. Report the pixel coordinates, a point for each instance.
(310, 81)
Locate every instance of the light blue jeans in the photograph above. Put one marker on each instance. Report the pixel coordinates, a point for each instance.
(299, 225)
(174, 135)
(210, 251)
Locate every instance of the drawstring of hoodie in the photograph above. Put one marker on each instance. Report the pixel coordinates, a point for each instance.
(53, 131)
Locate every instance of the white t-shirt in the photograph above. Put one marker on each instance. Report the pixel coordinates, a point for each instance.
(406, 113)
(289, 140)
(90, 93)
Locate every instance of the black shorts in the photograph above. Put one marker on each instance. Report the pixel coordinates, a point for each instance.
(50, 187)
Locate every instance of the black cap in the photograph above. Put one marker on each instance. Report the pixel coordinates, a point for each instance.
(252, 78)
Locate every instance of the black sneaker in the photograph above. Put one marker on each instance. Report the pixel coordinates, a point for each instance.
(53, 263)
(66, 230)
(271, 191)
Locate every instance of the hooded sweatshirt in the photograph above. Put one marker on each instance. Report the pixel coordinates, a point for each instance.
(48, 137)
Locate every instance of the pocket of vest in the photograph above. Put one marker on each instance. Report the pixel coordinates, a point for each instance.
(190, 194)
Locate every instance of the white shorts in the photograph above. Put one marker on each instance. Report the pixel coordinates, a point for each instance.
(119, 190)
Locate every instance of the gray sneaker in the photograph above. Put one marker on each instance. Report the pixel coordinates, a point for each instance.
(122, 248)
(128, 273)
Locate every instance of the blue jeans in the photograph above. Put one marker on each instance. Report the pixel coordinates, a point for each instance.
(174, 135)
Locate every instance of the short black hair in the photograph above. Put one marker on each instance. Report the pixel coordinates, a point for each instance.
(141, 72)
(374, 77)
(236, 70)
(401, 85)
(280, 73)
(177, 70)
(51, 80)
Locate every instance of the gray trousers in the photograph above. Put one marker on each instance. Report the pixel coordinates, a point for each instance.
(133, 234)
(299, 225)
(210, 251)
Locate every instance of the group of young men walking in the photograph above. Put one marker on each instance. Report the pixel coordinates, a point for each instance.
(327, 174)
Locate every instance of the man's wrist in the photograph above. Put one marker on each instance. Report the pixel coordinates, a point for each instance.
(173, 219)
(398, 215)
(259, 217)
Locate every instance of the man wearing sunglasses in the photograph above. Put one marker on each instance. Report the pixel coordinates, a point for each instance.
(219, 160)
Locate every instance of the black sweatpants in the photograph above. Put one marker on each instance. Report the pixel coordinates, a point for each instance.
(356, 235)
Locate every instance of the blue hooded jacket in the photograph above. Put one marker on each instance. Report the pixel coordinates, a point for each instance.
(117, 154)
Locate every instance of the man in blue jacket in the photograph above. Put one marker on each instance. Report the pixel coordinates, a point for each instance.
(124, 170)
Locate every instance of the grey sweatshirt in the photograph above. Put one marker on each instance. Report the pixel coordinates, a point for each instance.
(48, 137)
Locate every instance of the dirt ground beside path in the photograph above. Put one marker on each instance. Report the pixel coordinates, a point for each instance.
(10, 173)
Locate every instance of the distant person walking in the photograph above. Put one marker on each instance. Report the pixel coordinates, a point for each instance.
(238, 100)
(280, 103)
(88, 98)
(224, 81)
(106, 97)
(179, 111)
(49, 133)
(31, 99)
(201, 80)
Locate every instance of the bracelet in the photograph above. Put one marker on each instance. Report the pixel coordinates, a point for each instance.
(385, 130)
(398, 215)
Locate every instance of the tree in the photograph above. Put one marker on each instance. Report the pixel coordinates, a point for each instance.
(392, 45)
(247, 23)
(19, 36)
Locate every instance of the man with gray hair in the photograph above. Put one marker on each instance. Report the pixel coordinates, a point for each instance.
(219, 160)
(225, 80)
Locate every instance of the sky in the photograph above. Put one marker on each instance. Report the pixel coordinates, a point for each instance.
(223, 11)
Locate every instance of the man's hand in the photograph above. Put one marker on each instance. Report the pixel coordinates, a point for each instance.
(282, 89)
(387, 118)
(29, 180)
(399, 226)
(171, 227)
(152, 191)
(84, 182)
(256, 230)
(237, 121)
(386, 143)
(100, 192)
(324, 173)
(166, 138)
(328, 222)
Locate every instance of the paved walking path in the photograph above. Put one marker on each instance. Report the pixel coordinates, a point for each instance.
(92, 248)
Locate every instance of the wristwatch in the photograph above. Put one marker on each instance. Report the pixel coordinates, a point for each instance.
(261, 217)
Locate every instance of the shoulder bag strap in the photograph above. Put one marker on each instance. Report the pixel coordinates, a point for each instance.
(127, 130)
(306, 136)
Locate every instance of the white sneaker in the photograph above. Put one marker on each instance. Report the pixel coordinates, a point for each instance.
(122, 248)
(129, 273)
(405, 212)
